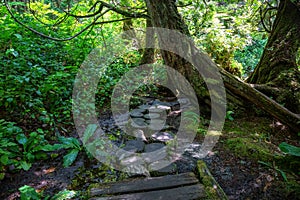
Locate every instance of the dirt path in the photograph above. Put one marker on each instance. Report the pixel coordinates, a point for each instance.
(240, 176)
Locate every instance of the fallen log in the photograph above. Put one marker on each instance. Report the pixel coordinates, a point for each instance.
(248, 92)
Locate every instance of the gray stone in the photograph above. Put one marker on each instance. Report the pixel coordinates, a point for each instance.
(132, 169)
(163, 136)
(184, 101)
(137, 144)
(155, 110)
(140, 135)
(155, 169)
(150, 158)
(154, 152)
(163, 103)
(136, 114)
(163, 107)
(124, 153)
(151, 116)
(139, 123)
(130, 149)
(157, 124)
(153, 147)
(132, 161)
(144, 107)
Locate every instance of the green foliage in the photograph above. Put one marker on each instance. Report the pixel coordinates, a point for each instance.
(64, 194)
(29, 193)
(276, 168)
(36, 75)
(289, 149)
(20, 150)
(112, 75)
(92, 142)
(73, 145)
(250, 55)
(225, 31)
(247, 148)
(229, 114)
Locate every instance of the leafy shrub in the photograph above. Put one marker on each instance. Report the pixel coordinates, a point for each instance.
(74, 147)
(19, 150)
(289, 149)
(36, 75)
(250, 55)
(29, 193)
(224, 31)
(112, 75)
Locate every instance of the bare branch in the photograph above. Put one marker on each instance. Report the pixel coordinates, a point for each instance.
(119, 11)
(111, 21)
(42, 34)
(262, 15)
(89, 15)
(59, 21)
(97, 15)
(181, 5)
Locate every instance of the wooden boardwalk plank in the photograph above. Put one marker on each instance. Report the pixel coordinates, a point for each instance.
(145, 184)
(191, 192)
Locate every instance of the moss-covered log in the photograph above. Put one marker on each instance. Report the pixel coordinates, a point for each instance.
(246, 91)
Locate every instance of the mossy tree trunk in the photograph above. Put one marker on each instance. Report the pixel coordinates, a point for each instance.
(164, 14)
(148, 54)
(277, 67)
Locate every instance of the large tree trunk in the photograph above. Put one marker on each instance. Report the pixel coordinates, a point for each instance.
(164, 14)
(148, 54)
(277, 67)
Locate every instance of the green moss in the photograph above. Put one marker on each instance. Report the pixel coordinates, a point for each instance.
(248, 127)
(211, 187)
(103, 174)
(248, 148)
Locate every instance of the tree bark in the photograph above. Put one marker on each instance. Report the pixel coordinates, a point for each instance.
(248, 92)
(277, 67)
(164, 14)
(282, 46)
(148, 54)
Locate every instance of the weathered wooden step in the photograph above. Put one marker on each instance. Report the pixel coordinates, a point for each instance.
(185, 186)
(181, 186)
(180, 193)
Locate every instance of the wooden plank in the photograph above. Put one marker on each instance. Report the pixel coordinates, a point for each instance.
(145, 184)
(181, 193)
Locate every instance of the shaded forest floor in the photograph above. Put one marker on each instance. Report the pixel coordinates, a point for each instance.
(238, 162)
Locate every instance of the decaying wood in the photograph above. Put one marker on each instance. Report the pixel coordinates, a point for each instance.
(147, 184)
(204, 173)
(247, 92)
(183, 186)
(181, 193)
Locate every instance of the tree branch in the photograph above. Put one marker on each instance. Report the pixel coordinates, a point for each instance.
(109, 7)
(42, 34)
(120, 11)
(111, 21)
